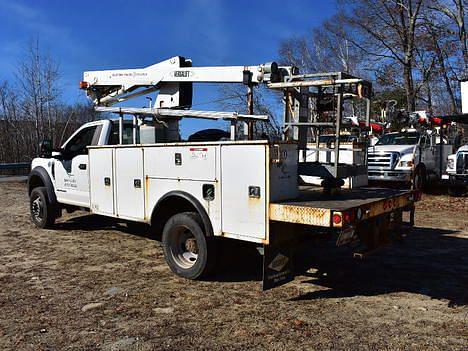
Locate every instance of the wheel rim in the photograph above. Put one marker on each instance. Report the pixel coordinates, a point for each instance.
(184, 248)
(37, 209)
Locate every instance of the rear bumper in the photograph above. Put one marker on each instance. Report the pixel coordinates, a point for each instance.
(390, 175)
(349, 215)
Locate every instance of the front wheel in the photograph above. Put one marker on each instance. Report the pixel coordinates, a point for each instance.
(419, 179)
(42, 212)
(188, 252)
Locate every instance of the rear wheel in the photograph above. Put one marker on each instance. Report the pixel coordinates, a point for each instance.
(42, 212)
(188, 252)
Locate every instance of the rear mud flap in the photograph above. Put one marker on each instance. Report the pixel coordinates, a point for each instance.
(277, 265)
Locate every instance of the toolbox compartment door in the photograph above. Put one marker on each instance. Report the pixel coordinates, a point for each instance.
(130, 183)
(244, 190)
(101, 181)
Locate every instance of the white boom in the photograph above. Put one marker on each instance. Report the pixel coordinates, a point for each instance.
(173, 78)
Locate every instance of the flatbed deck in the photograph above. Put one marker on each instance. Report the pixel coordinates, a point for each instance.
(313, 207)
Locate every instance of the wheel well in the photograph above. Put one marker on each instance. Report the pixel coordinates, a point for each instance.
(173, 204)
(34, 182)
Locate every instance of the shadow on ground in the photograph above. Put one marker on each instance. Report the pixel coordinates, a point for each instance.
(431, 262)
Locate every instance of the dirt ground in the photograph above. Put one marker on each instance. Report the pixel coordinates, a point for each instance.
(91, 284)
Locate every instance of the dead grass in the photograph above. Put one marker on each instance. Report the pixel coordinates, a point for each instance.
(409, 296)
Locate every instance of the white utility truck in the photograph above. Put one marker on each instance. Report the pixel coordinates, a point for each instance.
(457, 171)
(194, 193)
(457, 163)
(410, 156)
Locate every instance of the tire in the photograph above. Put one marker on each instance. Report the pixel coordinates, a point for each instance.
(187, 250)
(456, 191)
(419, 179)
(43, 214)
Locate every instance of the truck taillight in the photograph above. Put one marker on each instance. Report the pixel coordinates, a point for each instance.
(347, 217)
(337, 219)
(84, 85)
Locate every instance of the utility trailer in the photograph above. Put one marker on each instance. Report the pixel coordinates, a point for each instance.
(195, 193)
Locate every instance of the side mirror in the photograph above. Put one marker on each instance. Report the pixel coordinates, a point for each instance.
(45, 148)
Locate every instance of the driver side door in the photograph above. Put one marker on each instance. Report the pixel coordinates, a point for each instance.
(72, 173)
(428, 153)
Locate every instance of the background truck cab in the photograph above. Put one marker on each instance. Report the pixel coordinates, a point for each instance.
(410, 157)
(457, 171)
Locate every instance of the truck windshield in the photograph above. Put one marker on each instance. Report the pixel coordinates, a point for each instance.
(399, 139)
(331, 138)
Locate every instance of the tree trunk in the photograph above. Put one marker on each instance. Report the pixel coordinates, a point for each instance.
(409, 87)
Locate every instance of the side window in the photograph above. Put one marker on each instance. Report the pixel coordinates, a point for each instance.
(127, 137)
(85, 137)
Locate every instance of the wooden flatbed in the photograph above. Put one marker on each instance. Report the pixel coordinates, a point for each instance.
(313, 207)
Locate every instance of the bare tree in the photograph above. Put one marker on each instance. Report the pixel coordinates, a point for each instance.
(437, 38)
(31, 108)
(325, 49)
(38, 81)
(235, 99)
(416, 44)
(385, 30)
(455, 10)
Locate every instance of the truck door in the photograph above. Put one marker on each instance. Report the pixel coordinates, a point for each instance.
(129, 190)
(72, 173)
(244, 191)
(428, 153)
(101, 179)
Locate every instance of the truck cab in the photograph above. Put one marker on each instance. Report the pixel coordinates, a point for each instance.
(409, 156)
(67, 168)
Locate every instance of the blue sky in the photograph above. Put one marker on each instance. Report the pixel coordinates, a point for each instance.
(88, 35)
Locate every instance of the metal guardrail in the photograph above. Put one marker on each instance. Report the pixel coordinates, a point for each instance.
(9, 166)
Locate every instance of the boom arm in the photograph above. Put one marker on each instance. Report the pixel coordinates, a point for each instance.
(173, 78)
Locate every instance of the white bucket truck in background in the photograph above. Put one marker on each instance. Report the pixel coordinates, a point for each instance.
(457, 163)
(410, 156)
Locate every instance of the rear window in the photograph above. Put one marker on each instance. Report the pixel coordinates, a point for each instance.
(127, 137)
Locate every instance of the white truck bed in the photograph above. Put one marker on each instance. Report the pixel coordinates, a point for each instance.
(128, 181)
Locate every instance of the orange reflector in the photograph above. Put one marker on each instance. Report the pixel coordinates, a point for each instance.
(84, 85)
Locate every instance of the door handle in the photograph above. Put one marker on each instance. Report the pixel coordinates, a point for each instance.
(82, 166)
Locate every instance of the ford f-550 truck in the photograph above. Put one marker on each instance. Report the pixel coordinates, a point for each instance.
(196, 193)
